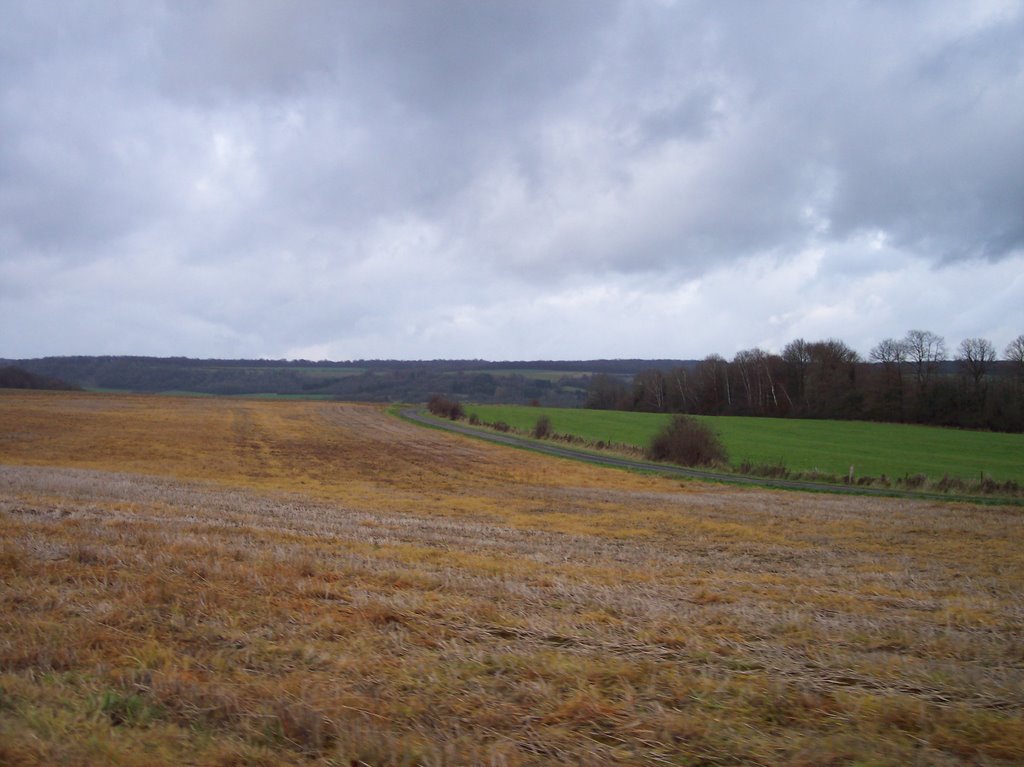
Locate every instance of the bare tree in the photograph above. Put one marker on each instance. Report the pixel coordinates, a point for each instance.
(680, 394)
(753, 368)
(1015, 352)
(831, 379)
(744, 364)
(976, 356)
(925, 351)
(713, 392)
(797, 356)
(607, 393)
(892, 355)
(890, 352)
(650, 391)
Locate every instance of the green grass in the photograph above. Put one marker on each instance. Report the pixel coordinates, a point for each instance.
(830, 447)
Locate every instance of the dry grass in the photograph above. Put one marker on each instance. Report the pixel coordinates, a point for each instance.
(246, 583)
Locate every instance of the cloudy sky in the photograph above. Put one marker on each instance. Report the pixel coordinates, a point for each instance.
(516, 179)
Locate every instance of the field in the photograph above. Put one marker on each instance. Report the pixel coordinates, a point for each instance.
(248, 582)
(830, 447)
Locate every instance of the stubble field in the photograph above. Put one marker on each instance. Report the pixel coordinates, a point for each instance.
(239, 582)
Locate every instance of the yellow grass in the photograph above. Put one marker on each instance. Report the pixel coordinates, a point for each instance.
(240, 582)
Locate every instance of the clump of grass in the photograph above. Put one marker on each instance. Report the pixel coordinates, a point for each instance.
(304, 727)
(127, 709)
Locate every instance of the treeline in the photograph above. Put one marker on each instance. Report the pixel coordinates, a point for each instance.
(911, 380)
(12, 377)
(551, 383)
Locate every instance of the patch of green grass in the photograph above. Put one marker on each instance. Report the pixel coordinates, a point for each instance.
(126, 709)
(830, 447)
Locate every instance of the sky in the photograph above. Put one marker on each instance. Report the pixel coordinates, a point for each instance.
(507, 179)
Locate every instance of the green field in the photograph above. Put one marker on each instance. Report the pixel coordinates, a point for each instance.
(831, 447)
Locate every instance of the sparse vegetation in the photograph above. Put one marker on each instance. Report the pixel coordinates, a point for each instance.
(246, 582)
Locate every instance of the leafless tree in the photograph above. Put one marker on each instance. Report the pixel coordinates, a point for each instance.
(797, 356)
(680, 395)
(831, 378)
(713, 391)
(649, 390)
(976, 356)
(755, 376)
(924, 351)
(1015, 352)
(890, 352)
(607, 393)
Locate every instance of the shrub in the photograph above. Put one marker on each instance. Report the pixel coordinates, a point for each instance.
(948, 483)
(687, 442)
(542, 428)
(770, 470)
(914, 481)
(501, 426)
(445, 408)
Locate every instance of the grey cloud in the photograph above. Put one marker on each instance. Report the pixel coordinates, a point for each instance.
(522, 145)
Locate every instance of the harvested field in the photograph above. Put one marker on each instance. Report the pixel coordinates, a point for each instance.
(239, 582)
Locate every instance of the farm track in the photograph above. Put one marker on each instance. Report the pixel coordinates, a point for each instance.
(416, 415)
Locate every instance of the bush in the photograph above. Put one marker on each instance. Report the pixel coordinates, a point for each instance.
(687, 442)
(542, 428)
(914, 481)
(445, 408)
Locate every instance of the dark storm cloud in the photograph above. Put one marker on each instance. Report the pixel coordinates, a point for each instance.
(283, 175)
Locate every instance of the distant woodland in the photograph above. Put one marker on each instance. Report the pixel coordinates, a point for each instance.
(562, 384)
(909, 380)
(915, 379)
(12, 377)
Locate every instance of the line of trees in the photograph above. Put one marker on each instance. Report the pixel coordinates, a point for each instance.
(910, 380)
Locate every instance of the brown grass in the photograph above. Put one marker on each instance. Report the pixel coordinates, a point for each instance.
(236, 582)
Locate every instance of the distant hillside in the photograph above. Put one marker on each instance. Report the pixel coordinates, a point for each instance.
(12, 377)
(548, 382)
